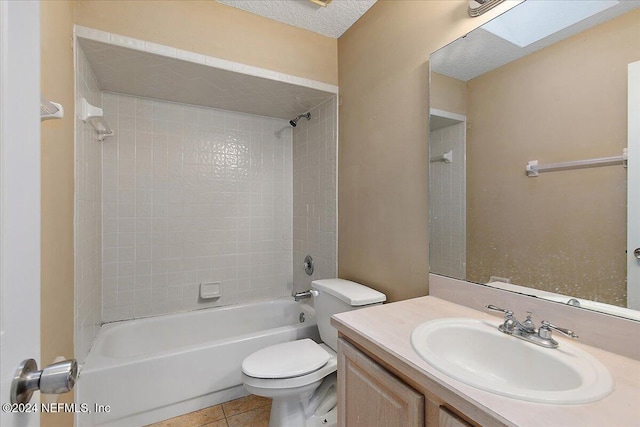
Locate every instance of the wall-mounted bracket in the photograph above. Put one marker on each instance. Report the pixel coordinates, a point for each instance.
(95, 117)
(50, 110)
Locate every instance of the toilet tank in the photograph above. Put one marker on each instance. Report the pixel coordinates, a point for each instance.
(334, 296)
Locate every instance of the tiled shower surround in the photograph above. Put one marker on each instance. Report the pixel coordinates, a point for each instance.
(448, 203)
(314, 195)
(88, 218)
(193, 195)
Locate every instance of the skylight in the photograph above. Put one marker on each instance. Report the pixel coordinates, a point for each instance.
(536, 19)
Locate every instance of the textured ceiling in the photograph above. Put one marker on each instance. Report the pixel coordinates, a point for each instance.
(134, 72)
(330, 21)
(481, 51)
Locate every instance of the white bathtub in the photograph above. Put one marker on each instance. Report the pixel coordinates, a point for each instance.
(156, 368)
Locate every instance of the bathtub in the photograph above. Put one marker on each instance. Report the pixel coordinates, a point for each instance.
(156, 368)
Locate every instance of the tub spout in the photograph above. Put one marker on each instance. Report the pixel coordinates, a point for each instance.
(302, 295)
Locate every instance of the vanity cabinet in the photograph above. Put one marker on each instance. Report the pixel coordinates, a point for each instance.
(447, 418)
(382, 379)
(368, 395)
(371, 396)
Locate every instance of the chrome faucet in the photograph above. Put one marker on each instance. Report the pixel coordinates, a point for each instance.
(526, 330)
(298, 296)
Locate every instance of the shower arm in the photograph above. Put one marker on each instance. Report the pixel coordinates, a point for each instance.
(294, 122)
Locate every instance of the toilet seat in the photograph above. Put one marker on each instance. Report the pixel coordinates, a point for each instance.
(299, 381)
(286, 360)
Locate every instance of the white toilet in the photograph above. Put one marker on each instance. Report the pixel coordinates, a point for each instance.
(300, 376)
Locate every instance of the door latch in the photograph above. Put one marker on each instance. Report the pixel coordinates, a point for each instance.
(54, 379)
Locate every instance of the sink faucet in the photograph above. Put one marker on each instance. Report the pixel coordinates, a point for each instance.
(526, 330)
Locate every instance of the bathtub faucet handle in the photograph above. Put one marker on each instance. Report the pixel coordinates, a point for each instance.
(308, 265)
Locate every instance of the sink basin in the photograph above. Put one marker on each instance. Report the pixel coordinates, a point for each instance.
(476, 353)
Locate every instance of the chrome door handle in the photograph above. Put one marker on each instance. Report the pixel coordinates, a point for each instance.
(636, 253)
(54, 379)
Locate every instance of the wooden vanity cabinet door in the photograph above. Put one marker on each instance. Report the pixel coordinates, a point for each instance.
(449, 419)
(370, 396)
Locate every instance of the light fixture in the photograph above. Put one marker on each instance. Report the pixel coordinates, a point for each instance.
(478, 7)
(323, 3)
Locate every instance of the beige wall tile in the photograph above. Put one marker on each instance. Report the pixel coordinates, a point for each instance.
(208, 416)
(244, 404)
(254, 418)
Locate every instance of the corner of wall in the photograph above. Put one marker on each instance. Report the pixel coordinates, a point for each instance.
(87, 216)
(314, 195)
(57, 290)
(383, 168)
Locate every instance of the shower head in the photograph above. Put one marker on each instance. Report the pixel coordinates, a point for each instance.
(294, 122)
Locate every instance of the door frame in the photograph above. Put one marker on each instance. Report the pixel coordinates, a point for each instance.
(633, 187)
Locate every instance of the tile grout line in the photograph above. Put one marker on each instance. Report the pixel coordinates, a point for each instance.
(226, 417)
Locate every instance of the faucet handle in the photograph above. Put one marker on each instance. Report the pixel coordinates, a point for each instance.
(509, 321)
(507, 313)
(545, 330)
(528, 324)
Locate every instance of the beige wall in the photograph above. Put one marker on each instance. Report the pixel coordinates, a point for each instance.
(563, 231)
(57, 193)
(214, 29)
(383, 154)
(448, 94)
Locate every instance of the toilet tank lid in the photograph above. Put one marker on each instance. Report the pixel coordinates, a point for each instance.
(350, 292)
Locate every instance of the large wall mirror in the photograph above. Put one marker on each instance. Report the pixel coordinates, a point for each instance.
(545, 81)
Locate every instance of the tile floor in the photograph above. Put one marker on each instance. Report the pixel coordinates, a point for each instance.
(250, 411)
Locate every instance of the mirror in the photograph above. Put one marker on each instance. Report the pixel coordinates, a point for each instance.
(544, 81)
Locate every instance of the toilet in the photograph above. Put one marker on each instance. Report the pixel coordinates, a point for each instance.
(300, 376)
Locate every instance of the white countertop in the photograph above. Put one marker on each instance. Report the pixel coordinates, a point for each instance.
(385, 331)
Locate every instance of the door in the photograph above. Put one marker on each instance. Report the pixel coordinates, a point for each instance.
(19, 196)
(633, 189)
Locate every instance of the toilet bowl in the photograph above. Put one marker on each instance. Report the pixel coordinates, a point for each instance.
(300, 376)
(295, 396)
